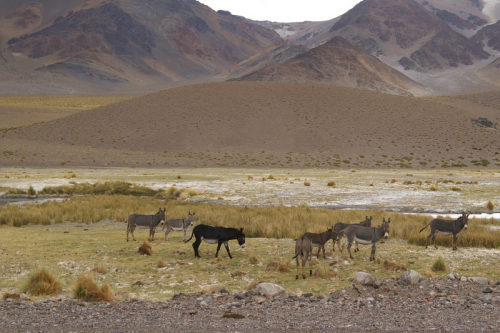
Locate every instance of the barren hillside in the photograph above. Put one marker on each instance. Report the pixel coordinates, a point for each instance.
(266, 124)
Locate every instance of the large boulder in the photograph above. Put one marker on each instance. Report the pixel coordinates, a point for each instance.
(364, 278)
(409, 277)
(271, 290)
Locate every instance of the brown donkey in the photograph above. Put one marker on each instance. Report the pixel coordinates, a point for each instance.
(320, 239)
(303, 247)
(447, 227)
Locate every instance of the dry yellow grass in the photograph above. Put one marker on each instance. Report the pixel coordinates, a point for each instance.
(86, 289)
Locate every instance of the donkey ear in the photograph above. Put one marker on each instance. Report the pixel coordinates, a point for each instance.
(241, 229)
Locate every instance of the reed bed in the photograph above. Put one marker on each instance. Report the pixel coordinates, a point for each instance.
(258, 222)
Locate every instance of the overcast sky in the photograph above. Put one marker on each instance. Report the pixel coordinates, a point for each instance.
(284, 10)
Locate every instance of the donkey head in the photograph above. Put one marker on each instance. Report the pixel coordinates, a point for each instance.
(465, 220)
(191, 218)
(386, 227)
(367, 222)
(241, 238)
(162, 215)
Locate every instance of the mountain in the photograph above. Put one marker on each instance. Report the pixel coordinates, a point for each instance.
(110, 43)
(338, 62)
(405, 28)
(133, 47)
(430, 41)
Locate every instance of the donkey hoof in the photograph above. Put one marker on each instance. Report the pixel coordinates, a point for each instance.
(304, 277)
(296, 277)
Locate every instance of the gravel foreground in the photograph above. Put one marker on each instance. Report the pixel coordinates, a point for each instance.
(441, 305)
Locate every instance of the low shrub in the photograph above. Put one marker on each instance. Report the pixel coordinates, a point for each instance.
(439, 265)
(99, 269)
(86, 289)
(42, 282)
(145, 249)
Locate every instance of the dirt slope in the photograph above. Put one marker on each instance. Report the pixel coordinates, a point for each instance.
(275, 124)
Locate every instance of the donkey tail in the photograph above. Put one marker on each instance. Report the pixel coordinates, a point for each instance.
(424, 227)
(192, 233)
(301, 253)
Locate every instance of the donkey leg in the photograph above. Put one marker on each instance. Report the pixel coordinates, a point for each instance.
(132, 232)
(196, 245)
(304, 267)
(297, 276)
(218, 248)
(455, 238)
(372, 254)
(349, 249)
(434, 240)
(310, 268)
(227, 249)
(298, 264)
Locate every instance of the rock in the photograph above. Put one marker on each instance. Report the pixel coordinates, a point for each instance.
(451, 276)
(409, 278)
(488, 290)
(307, 295)
(464, 279)
(378, 283)
(271, 290)
(480, 280)
(224, 291)
(364, 278)
(239, 296)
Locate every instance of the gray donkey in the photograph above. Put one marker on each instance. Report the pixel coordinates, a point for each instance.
(303, 247)
(366, 236)
(149, 221)
(447, 227)
(341, 226)
(179, 225)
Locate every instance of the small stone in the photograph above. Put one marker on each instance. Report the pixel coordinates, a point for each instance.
(488, 290)
(239, 296)
(480, 280)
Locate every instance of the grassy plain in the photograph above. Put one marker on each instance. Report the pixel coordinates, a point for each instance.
(67, 250)
(86, 234)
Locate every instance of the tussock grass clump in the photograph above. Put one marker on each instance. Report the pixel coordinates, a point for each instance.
(161, 264)
(439, 265)
(99, 269)
(31, 190)
(181, 194)
(490, 205)
(324, 273)
(331, 184)
(145, 249)
(307, 183)
(11, 296)
(429, 274)
(393, 266)
(86, 289)
(284, 267)
(253, 260)
(42, 282)
(238, 273)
